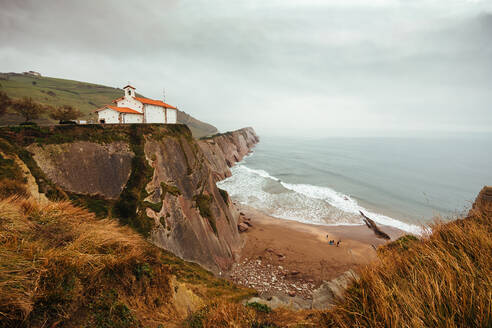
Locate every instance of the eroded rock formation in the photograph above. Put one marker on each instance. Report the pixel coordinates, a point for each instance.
(155, 178)
(194, 222)
(86, 167)
(223, 150)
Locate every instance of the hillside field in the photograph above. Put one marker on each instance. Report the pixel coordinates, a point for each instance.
(84, 96)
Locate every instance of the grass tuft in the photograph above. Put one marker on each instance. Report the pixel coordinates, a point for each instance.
(203, 202)
(259, 307)
(173, 190)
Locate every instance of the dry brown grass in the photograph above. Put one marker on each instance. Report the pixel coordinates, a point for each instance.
(9, 187)
(57, 262)
(224, 314)
(60, 266)
(444, 280)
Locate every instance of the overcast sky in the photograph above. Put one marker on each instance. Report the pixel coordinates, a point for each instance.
(310, 67)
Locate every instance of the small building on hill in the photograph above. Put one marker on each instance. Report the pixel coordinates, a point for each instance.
(32, 73)
(132, 109)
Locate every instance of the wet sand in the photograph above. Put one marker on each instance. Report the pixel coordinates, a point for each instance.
(300, 254)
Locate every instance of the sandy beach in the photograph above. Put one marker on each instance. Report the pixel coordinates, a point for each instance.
(282, 256)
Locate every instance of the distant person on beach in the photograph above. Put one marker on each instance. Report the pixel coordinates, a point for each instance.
(332, 242)
(338, 243)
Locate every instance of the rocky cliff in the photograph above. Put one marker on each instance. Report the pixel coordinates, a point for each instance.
(154, 178)
(223, 150)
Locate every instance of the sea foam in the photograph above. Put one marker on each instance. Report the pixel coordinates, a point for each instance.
(300, 202)
(261, 173)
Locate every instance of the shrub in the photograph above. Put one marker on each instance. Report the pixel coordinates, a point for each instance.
(142, 270)
(156, 207)
(109, 312)
(225, 195)
(203, 202)
(94, 203)
(5, 102)
(65, 113)
(402, 243)
(173, 190)
(259, 307)
(28, 109)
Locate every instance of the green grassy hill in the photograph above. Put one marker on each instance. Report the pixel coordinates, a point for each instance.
(84, 96)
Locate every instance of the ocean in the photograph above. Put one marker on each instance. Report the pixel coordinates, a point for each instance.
(401, 182)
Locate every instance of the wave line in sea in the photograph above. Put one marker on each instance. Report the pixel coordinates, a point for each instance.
(300, 202)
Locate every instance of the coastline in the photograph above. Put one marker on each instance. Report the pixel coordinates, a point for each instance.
(255, 183)
(282, 257)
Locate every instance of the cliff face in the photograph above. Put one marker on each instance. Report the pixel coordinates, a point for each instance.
(195, 222)
(86, 167)
(223, 150)
(155, 178)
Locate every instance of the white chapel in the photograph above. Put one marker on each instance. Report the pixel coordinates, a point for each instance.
(131, 109)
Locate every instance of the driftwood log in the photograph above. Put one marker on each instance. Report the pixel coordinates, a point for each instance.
(372, 225)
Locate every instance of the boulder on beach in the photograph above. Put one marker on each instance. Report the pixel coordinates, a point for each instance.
(242, 227)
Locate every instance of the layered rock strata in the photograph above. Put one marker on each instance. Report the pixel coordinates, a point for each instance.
(158, 178)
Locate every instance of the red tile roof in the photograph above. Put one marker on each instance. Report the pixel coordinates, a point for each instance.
(148, 101)
(120, 109)
(116, 100)
(129, 86)
(154, 102)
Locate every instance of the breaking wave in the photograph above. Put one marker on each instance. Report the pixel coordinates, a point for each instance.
(300, 202)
